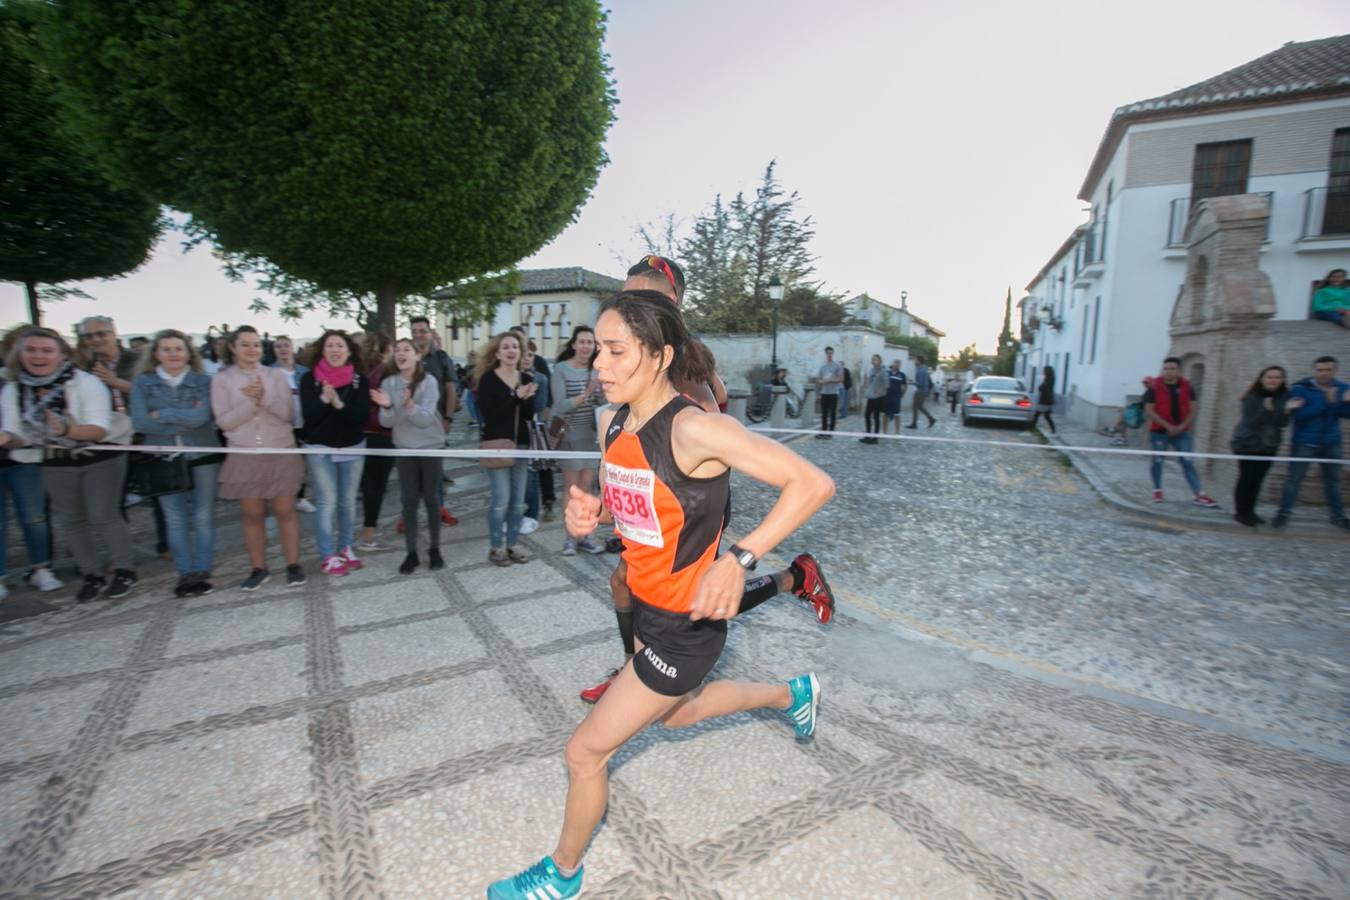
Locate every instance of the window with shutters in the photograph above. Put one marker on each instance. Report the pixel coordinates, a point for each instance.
(1220, 169)
(1336, 216)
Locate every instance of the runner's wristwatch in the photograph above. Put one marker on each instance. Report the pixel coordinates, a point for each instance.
(743, 556)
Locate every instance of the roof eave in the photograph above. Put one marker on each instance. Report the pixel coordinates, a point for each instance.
(1121, 122)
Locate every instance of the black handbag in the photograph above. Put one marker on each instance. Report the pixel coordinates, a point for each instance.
(155, 474)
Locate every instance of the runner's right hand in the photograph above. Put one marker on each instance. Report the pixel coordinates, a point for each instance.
(582, 513)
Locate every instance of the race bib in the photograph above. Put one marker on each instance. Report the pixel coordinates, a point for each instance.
(630, 496)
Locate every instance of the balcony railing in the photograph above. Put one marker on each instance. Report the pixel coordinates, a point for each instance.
(1090, 249)
(1180, 213)
(1326, 213)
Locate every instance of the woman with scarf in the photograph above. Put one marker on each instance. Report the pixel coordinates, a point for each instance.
(171, 404)
(335, 400)
(252, 406)
(53, 411)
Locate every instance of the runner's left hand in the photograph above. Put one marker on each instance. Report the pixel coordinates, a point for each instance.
(583, 512)
(719, 591)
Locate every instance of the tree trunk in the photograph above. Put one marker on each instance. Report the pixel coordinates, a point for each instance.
(34, 311)
(386, 311)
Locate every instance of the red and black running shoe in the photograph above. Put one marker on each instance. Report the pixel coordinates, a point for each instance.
(814, 589)
(593, 694)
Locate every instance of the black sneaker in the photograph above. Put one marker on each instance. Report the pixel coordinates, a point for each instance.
(1280, 520)
(123, 581)
(614, 545)
(409, 564)
(93, 586)
(1342, 523)
(295, 576)
(434, 560)
(256, 579)
(203, 585)
(187, 586)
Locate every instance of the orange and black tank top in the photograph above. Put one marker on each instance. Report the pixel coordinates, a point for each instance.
(671, 523)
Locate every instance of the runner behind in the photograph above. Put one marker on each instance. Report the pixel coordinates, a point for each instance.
(666, 477)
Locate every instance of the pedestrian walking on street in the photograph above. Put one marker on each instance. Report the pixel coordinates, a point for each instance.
(896, 383)
(1317, 405)
(875, 386)
(1045, 399)
(1265, 412)
(666, 469)
(409, 402)
(953, 387)
(831, 378)
(923, 387)
(845, 388)
(1171, 408)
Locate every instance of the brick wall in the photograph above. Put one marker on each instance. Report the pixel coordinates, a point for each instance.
(1292, 140)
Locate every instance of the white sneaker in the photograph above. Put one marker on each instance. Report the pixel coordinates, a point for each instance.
(43, 579)
(304, 506)
(528, 525)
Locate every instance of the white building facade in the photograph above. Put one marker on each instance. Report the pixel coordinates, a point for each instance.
(1098, 311)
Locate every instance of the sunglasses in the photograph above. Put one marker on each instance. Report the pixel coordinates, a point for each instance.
(660, 265)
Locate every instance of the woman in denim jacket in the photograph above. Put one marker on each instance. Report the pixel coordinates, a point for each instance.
(171, 404)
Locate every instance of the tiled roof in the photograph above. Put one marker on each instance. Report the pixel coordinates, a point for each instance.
(1303, 70)
(572, 278)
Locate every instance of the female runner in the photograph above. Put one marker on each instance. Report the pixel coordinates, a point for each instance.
(666, 474)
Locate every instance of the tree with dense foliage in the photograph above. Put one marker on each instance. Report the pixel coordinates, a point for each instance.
(963, 361)
(374, 147)
(732, 251)
(1006, 359)
(60, 219)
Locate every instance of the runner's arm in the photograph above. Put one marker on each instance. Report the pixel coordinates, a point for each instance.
(705, 445)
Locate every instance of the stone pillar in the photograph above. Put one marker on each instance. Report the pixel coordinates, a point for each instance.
(736, 404)
(809, 404)
(778, 410)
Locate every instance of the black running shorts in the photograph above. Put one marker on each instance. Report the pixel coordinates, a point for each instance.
(677, 653)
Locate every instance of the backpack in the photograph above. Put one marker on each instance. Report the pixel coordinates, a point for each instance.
(1134, 414)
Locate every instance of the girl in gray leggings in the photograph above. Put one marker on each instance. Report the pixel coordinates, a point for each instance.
(408, 400)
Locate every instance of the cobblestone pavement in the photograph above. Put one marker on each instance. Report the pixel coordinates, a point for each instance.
(388, 736)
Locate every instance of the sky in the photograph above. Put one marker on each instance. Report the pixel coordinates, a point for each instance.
(938, 148)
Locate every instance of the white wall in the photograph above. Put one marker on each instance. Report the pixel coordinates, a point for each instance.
(800, 350)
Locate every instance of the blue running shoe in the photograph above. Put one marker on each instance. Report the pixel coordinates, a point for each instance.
(805, 698)
(541, 881)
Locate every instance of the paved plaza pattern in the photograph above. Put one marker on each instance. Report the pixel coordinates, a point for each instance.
(390, 736)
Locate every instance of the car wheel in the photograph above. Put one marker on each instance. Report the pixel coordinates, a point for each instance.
(965, 421)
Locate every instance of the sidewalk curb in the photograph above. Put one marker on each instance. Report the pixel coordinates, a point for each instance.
(1102, 485)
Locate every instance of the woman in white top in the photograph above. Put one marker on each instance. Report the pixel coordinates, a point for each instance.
(52, 413)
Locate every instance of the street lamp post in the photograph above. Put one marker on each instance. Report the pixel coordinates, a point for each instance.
(775, 295)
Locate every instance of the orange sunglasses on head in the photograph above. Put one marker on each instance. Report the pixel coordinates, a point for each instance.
(660, 265)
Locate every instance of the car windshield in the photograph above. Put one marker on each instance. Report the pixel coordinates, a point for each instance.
(998, 384)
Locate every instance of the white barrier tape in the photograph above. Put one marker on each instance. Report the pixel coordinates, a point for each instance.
(466, 453)
(475, 453)
(1124, 451)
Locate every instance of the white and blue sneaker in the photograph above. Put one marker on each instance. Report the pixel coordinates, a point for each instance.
(541, 881)
(805, 698)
